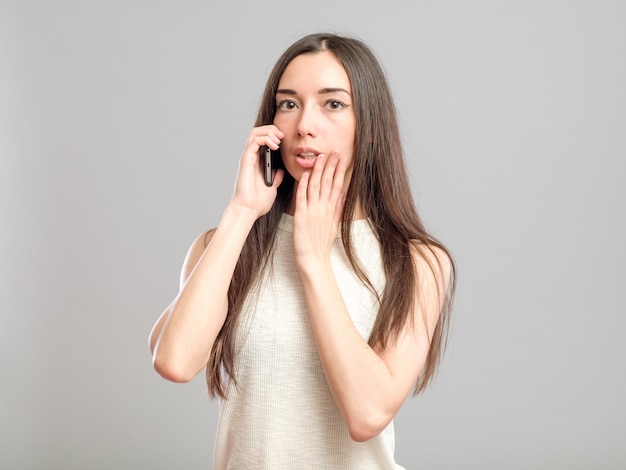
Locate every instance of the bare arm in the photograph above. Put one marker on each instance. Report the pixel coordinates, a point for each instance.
(369, 385)
(183, 336)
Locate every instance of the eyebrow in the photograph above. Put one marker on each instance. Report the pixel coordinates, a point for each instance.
(323, 91)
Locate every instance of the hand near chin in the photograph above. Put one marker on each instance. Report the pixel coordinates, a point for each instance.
(319, 207)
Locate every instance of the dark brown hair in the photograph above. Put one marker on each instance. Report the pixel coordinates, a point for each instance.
(379, 183)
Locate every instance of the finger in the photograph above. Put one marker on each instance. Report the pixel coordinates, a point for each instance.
(269, 140)
(274, 134)
(301, 192)
(316, 176)
(339, 179)
(278, 178)
(265, 135)
(268, 129)
(339, 208)
(328, 176)
(273, 129)
(253, 154)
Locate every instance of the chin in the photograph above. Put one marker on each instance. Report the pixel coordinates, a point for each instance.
(295, 173)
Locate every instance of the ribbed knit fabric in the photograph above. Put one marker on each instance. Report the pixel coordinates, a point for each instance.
(281, 415)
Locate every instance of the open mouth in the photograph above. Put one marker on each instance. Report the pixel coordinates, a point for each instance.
(307, 158)
(307, 155)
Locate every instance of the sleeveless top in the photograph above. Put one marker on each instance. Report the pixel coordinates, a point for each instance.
(280, 414)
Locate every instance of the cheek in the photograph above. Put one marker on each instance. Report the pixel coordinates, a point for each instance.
(281, 120)
(349, 139)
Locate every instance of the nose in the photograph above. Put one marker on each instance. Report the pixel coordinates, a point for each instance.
(307, 122)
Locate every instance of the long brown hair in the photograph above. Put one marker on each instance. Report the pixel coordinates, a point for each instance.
(379, 183)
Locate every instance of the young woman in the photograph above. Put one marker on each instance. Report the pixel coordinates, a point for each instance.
(320, 302)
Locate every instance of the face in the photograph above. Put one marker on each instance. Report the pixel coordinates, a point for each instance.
(314, 110)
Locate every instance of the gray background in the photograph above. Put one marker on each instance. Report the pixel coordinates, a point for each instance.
(121, 123)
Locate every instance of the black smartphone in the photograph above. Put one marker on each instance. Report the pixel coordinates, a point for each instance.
(271, 161)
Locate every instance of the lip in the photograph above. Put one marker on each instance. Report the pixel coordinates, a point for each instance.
(306, 162)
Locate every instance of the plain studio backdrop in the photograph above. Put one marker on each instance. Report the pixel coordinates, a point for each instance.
(121, 125)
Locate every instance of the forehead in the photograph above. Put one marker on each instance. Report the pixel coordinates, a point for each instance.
(315, 71)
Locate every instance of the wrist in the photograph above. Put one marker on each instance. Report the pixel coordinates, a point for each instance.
(241, 212)
(314, 269)
(236, 215)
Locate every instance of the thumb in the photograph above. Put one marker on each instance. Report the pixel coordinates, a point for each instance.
(279, 175)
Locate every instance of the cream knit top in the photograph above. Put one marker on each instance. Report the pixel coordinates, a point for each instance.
(281, 414)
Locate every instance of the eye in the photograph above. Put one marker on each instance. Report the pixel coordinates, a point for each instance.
(335, 105)
(286, 105)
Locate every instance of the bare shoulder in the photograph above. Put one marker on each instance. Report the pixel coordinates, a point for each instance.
(432, 262)
(434, 273)
(194, 253)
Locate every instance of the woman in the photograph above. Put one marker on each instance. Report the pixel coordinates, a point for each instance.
(319, 302)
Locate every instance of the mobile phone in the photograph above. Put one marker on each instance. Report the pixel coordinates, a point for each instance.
(268, 167)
